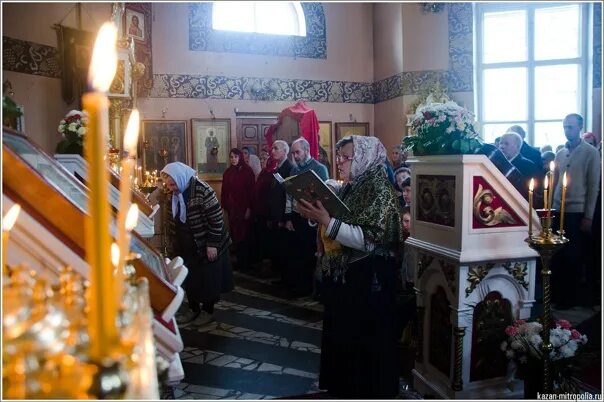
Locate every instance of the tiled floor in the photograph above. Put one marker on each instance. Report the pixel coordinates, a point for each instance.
(262, 346)
(265, 345)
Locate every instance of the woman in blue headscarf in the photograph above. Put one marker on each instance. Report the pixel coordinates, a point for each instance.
(197, 233)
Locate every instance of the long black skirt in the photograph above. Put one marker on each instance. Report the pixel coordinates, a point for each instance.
(207, 280)
(358, 353)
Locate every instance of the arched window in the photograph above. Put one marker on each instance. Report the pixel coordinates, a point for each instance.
(274, 18)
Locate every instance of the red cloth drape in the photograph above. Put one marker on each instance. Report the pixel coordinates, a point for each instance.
(307, 123)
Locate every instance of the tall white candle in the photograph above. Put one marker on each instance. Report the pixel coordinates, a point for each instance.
(101, 319)
(130, 140)
(7, 224)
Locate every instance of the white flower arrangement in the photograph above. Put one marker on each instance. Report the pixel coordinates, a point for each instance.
(524, 341)
(74, 123)
(73, 129)
(442, 129)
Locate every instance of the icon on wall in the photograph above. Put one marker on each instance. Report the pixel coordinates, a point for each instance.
(135, 24)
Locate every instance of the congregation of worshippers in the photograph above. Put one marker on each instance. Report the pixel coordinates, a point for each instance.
(331, 198)
(261, 213)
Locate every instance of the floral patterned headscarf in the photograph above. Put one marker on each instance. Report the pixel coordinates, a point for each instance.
(369, 152)
(373, 206)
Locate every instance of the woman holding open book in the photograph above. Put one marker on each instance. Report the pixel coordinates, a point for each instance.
(358, 351)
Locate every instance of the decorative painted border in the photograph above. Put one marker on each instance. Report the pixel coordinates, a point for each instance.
(459, 76)
(597, 46)
(461, 67)
(253, 88)
(30, 58)
(203, 38)
(37, 59)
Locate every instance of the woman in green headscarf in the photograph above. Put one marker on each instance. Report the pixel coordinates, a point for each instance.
(358, 351)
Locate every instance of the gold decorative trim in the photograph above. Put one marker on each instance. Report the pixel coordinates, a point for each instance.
(458, 333)
(518, 272)
(486, 214)
(476, 274)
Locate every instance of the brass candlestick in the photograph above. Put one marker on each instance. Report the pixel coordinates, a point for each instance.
(547, 244)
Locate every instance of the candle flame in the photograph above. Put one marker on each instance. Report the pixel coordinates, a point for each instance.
(11, 217)
(131, 136)
(532, 185)
(103, 63)
(115, 254)
(552, 166)
(546, 183)
(564, 180)
(132, 217)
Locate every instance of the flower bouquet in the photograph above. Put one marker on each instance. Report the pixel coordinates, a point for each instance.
(523, 349)
(443, 129)
(73, 130)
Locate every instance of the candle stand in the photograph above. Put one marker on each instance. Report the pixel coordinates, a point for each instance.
(547, 244)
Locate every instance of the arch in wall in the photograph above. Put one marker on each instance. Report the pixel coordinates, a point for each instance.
(202, 37)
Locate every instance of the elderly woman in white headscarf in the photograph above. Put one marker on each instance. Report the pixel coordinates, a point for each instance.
(358, 351)
(197, 233)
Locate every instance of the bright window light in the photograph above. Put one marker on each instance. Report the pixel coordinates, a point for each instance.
(505, 36)
(531, 67)
(273, 18)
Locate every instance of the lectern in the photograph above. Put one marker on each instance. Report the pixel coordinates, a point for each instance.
(474, 274)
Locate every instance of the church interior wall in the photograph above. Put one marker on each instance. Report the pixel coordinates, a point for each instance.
(349, 48)
(425, 39)
(40, 96)
(388, 49)
(185, 109)
(387, 40)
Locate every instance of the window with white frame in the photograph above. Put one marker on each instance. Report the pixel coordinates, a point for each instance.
(531, 68)
(275, 18)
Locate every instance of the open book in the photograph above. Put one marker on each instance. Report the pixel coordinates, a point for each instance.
(309, 187)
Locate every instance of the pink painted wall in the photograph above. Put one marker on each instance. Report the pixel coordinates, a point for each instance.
(349, 48)
(405, 39)
(349, 58)
(387, 40)
(41, 96)
(425, 39)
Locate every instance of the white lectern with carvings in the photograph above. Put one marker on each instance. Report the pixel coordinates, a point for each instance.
(474, 274)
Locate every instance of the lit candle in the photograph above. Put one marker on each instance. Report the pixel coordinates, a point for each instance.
(124, 250)
(115, 256)
(530, 218)
(7, 224)
(564, 183)
(139, 174)
(101, 319)
(128, 167)
(550, 202)
(545, 187)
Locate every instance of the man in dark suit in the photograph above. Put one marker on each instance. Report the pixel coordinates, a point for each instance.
(280, 235)
(510, 145)
(526, 150)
